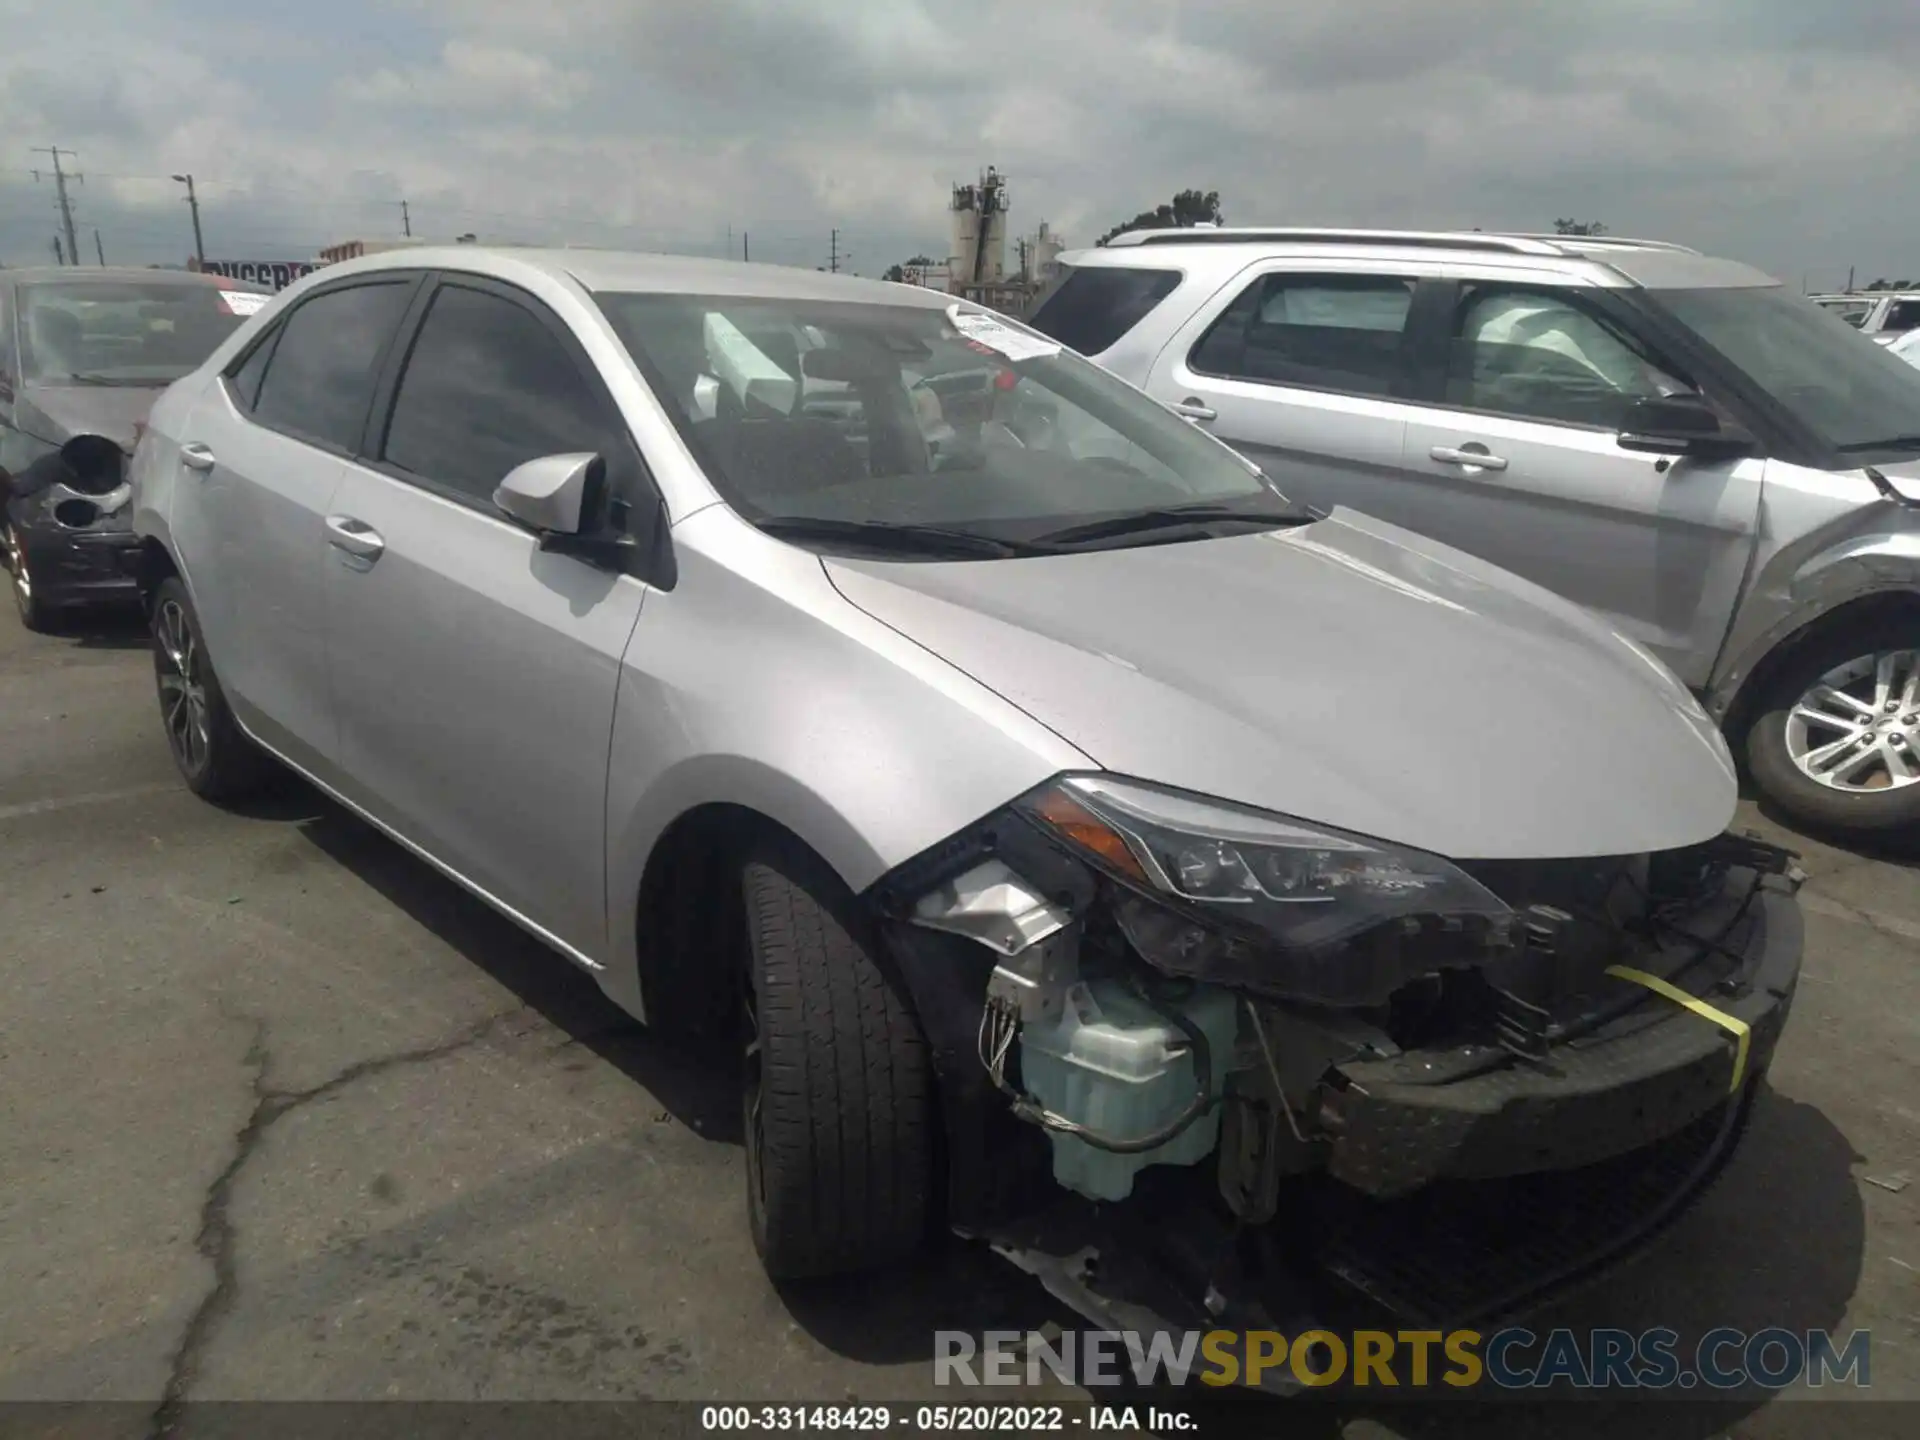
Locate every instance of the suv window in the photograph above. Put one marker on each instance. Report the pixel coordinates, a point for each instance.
(1542, 356)
(320, 376)
(1854, 312)
(487, 387)
(1903, 316)
(1097, 304)
(1318, 332)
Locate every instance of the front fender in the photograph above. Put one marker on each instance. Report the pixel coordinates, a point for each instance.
(754, 683)
(1807, 581)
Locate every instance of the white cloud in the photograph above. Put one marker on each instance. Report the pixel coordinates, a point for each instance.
(1758, 128)
(472, 76)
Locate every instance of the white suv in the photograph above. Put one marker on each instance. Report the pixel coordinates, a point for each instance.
(1716, 466)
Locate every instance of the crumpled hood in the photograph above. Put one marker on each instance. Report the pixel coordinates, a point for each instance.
(57, 413)
(1348, 672)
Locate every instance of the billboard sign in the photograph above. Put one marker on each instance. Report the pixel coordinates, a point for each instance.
(267, 274)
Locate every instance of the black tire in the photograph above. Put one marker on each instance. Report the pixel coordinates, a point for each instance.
(214, 757)
(1772, 765)
(839, 1092)
(35, 613)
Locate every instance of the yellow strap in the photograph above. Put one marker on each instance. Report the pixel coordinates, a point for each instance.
(1734, 1027)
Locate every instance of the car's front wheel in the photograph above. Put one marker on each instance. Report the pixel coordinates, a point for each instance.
(839, 1091)
(214, 757)
(1837, 739)
(28, 599)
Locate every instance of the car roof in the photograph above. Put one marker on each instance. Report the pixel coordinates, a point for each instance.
(1653, 264)
(1866, 296)
(635, 272)
(119, 275)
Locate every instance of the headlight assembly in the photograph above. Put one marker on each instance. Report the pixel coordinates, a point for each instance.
(1235, 895)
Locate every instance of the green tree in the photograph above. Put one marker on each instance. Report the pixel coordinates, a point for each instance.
(1189, 207)
(1578, 227)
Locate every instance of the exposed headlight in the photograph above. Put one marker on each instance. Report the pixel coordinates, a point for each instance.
(1228, 893)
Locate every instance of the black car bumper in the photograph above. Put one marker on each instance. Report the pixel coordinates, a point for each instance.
(1398, 1130)
(77, 567)
(1461, 1202)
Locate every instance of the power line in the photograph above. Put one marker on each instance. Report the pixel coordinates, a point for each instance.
(60, 178)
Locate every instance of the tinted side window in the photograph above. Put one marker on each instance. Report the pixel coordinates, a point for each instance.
(1542, 356)
(320, 377)
(1903, 316)
(1317, 332)
(1095, 305)
(244, 379)
(6, 336)
(487, 387)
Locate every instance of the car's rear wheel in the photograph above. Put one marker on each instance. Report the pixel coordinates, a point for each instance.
(1837, 739)
(28, 599)
(839, 1092)
(214, 757)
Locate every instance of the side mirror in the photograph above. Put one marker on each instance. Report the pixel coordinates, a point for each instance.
(1680, 425)
(554, 494)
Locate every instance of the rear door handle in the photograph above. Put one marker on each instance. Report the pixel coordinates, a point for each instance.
(356, 537)
(196, 456)
(1469, 456)
(1193, 408)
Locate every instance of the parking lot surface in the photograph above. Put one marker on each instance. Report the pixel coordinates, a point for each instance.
(285, 1115)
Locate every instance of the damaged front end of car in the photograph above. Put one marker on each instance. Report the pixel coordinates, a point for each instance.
(1207, 1066)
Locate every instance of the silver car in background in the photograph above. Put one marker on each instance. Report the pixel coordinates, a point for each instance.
(1061, 828)
(1709, 462)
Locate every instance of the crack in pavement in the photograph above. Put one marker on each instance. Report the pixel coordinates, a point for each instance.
(216, 1239)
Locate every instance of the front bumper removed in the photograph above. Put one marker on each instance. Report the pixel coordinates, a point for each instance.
(1448, 1200)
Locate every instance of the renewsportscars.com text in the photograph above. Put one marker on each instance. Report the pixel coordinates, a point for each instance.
(1509, 1359)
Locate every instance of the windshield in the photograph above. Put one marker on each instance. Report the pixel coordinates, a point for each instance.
(1837, 383)
(823, 416)
(106, 332)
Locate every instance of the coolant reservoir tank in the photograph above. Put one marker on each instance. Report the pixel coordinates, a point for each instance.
(1112, 1063)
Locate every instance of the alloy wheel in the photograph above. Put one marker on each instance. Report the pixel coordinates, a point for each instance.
(751, 1084)
(17, 567)
(183, 691)
(1858, 729)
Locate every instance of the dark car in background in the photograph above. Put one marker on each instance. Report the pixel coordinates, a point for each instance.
(84, 353)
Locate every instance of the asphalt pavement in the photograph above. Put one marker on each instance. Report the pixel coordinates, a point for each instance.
(284, 1115)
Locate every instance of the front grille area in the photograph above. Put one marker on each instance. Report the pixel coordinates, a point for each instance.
(1475, 1252)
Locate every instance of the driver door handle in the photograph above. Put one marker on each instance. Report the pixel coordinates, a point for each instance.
(1193, 408)
(196, 456)
(1467, 458)
(356, 537)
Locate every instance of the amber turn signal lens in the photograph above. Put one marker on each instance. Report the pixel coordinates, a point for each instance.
(1087, 830)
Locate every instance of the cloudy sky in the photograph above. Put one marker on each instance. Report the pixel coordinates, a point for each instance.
(1776, 131)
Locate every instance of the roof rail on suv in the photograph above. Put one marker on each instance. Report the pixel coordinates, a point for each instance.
(1511, 244)
(1428, 239)
(1618, 242)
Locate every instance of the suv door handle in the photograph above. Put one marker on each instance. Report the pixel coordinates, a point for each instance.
(1471, 457)
(196, 456)
(356, 537)
(1193, 408)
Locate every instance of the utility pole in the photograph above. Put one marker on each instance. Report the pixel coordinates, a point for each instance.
(1850, 279)
(744, 256)
(99, 249)
(834, 255)
(406, 220)
(60, 178)
(59, 255)
(193, 204)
